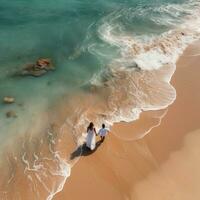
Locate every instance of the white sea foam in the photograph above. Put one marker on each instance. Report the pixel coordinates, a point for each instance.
(155, 56)
(140, 82)
(157, 50)
(151, 54)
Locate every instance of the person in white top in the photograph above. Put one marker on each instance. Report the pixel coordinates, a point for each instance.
(103, 132)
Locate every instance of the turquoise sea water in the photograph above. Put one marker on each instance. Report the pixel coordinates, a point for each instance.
(67, 33)
(88, 42)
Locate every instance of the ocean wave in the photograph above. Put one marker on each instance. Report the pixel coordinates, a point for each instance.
(163, 48)
(137, 80)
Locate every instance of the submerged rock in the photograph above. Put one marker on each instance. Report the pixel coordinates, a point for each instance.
(134, 66)
(44, 63)
(41, 67)
(10, 114)
(8, 100)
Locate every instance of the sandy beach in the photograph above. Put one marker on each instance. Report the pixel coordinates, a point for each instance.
(132, 65)
(162, 165)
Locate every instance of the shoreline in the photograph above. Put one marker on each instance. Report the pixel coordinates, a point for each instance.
(152, 143)
(118, 72)
(123, 145)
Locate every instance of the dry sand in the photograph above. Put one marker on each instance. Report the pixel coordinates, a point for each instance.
(164, 165)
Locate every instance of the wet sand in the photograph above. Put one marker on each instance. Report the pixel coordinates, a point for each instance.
(162, 165)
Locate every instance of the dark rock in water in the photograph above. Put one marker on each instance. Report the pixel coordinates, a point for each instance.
(44, 64)
(8, 100)
(10, 114)
(138, 68)
(135, 66)
(41, 67)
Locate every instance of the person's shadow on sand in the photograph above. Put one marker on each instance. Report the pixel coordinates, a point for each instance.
(83, 150)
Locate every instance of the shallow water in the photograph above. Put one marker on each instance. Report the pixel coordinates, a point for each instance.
(73, 35)
(113, 60)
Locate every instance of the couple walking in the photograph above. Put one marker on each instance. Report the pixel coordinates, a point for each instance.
(91, 133)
